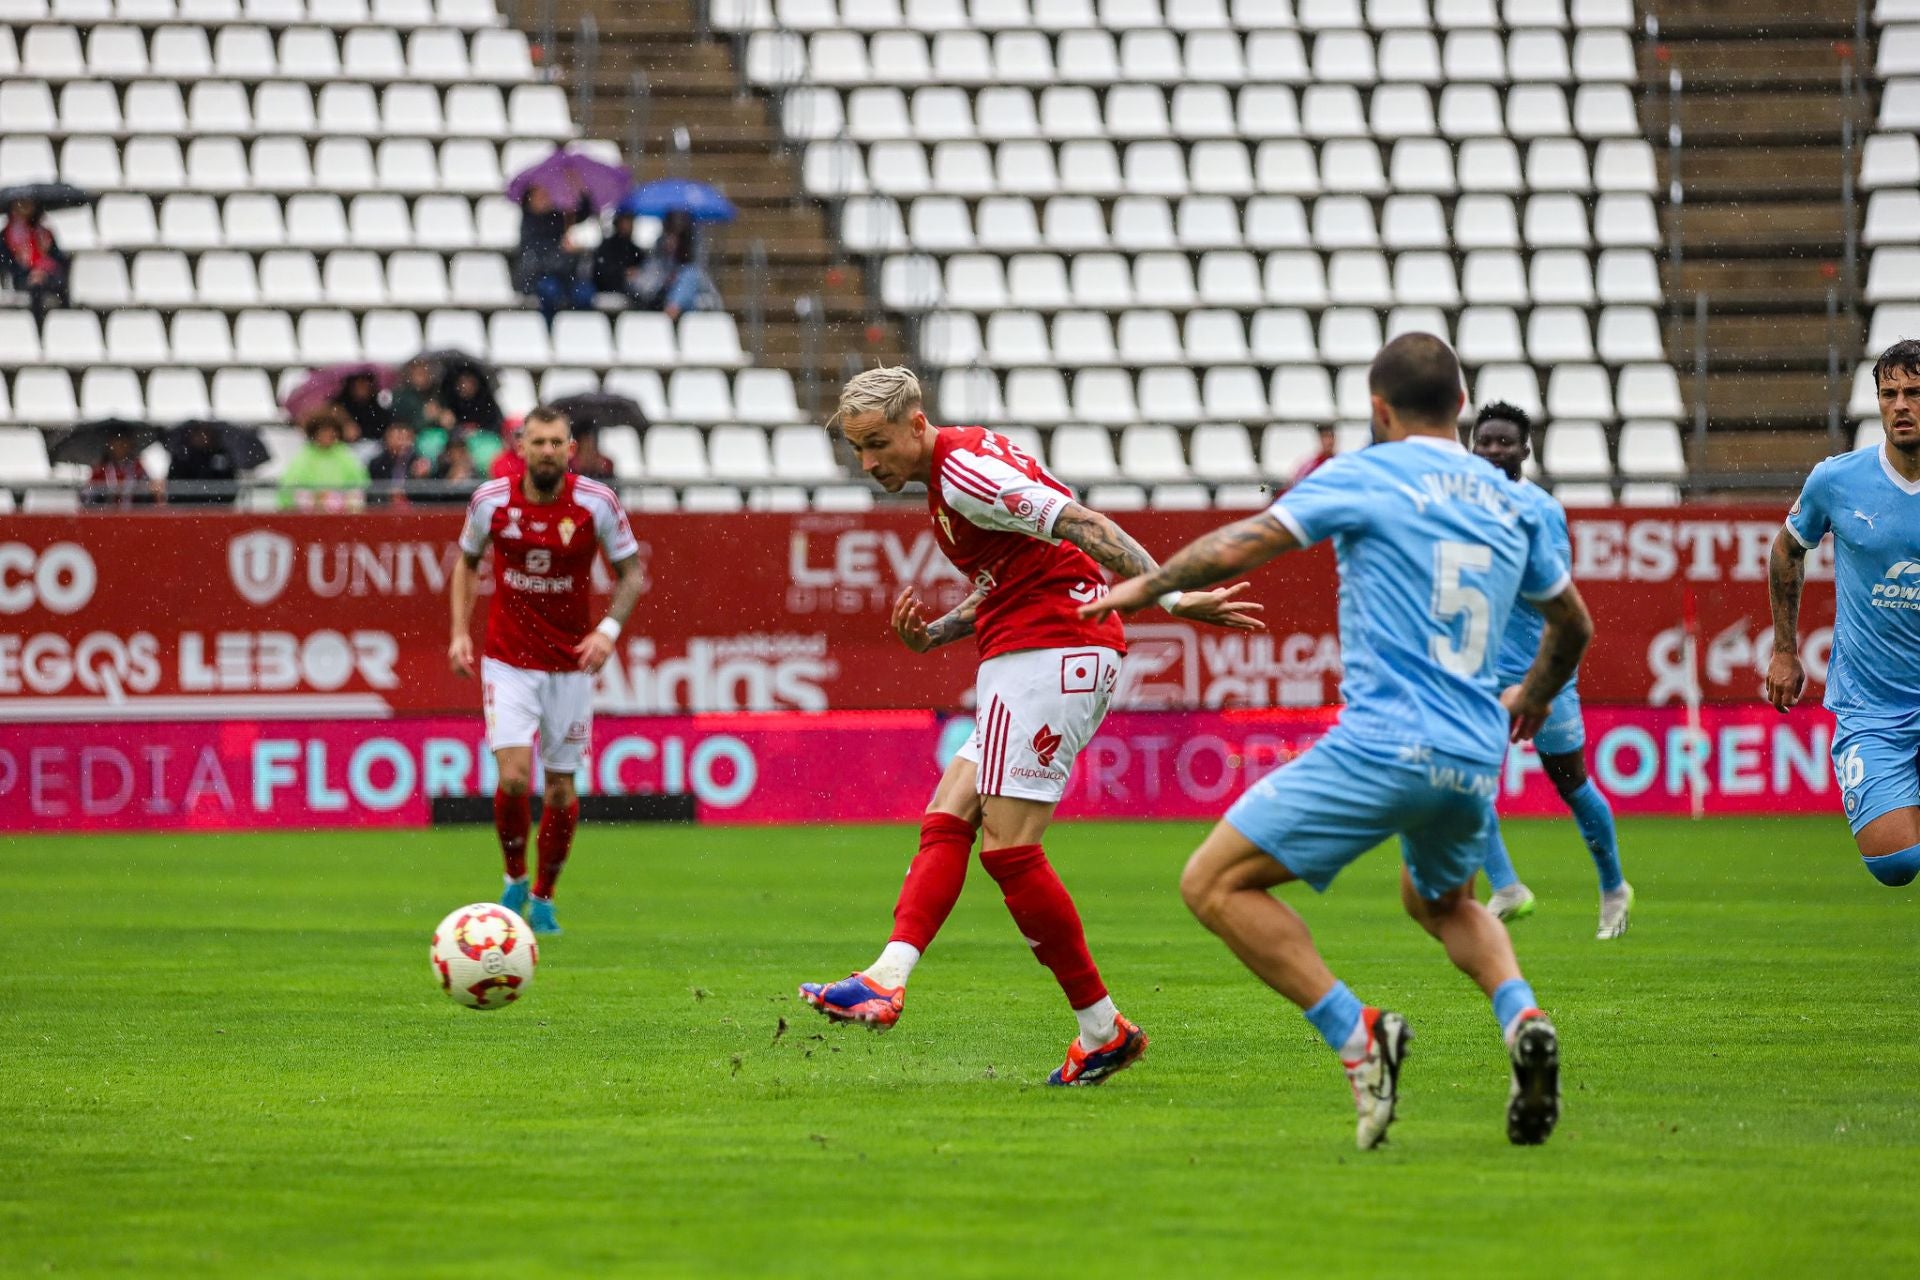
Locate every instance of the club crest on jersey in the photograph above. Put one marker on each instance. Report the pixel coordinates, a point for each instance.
(512, 529)
(567, 526)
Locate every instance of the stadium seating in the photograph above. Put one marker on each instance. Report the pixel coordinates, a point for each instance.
(1889, 172)
(1155, 220)
(298, 184)
(1169, 237)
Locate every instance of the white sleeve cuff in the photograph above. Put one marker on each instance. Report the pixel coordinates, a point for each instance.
(1795, 534)
(1291, 523)
(1560, 584)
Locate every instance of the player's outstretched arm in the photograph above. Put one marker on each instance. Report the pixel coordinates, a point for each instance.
(1116, 550)
(1235, 548)
(460, 593)
(1786, 575)
(1563, 641)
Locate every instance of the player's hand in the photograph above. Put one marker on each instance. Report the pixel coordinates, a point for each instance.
(460, 655)
(910, 622)
(1786, 680)
(1129, 597)
(594, 652)
(1219, 608)
(1527, 716)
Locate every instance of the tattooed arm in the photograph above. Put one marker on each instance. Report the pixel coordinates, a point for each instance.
(911, 625)
(1569, 629)
(1115, 550)
(1229, 550)
(1786, 576)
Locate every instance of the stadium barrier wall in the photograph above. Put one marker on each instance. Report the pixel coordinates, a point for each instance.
(253, 775)
(247, 617)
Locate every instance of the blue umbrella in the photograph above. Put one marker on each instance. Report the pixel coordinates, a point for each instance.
(663, 196)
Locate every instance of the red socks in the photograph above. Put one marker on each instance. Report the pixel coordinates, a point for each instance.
(556, 840)
(1047, 919)
(512, 814)
(934, 880)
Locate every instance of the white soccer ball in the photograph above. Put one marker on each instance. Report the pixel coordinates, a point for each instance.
(484, 955)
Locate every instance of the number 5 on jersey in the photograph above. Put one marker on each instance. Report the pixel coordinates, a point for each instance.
(1454, 599)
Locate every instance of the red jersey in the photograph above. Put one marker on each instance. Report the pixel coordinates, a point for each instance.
(993, 511)
(543, 566)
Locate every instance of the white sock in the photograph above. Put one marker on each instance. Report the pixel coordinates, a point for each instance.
(1355, 1047)
(1098, 1023)
(511, 881)
(895, 964)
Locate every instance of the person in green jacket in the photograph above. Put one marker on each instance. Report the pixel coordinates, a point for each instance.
(325, 475)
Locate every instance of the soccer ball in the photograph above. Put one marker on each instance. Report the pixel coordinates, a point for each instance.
(483, 956)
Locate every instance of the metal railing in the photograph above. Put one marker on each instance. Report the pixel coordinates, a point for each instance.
(1676, 192)
(1699, 381)
(757, 272)
(639, 116)
(586, 67)
(807, 309)
(1849, 87)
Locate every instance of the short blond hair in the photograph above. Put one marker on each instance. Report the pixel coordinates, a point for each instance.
(892, 391)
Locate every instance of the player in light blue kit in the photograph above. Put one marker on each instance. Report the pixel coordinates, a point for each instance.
(1502, 435)
(1869, 500)
(1433, 549)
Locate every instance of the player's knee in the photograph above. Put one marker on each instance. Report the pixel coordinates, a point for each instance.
(1202, 890)
(1895, 870)
(515, 783)
(559, 791)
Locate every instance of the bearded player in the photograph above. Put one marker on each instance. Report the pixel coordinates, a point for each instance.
(1034, 556)
(542, 648)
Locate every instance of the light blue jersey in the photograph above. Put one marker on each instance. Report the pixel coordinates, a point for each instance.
(1873, 672)
(1874, 516)
(1521, 640)
(1434, 546)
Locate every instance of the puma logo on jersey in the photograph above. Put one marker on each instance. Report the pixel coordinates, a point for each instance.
(1045, 743)
(946, 525)
(1861, 515)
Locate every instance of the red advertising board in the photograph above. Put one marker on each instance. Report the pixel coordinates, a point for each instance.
(170, 617)
(254, 775)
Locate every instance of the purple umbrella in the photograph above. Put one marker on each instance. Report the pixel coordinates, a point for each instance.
(321, 387)
(567, 175)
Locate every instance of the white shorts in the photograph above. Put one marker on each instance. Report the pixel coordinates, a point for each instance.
(559, 704)
(1034, 711)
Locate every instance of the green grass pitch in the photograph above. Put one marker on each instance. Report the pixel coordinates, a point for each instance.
(224, 1056)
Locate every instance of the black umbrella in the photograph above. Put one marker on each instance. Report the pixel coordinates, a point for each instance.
(451, 360)
(243, 444)
(47, 195)
(86, 444)
(591, 410)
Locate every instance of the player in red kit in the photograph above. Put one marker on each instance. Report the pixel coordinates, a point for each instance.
(542, 648)
(1034, 555)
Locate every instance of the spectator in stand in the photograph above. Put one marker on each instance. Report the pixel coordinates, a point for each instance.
(326, 474)
(546, 265)
(118, 479)
(397, 463)
(588, 461)
(360, 401)
(35, 264)
(671, 279)
(416, 401)
(200, 467)
(469, 412)
(1322, 456)
(618, 260)
(455, 473)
